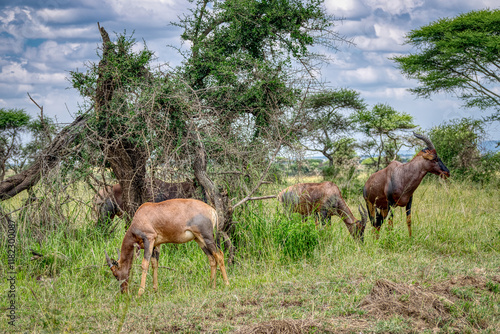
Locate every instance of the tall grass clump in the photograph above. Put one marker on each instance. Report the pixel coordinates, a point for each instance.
(295, 237)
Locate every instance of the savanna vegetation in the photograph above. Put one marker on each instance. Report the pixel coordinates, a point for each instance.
(445, 278)
(237, 118)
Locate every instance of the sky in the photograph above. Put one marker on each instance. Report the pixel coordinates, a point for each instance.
(41, 41)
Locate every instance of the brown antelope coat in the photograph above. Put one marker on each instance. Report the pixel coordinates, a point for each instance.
(324, 200)
(108, 202)
(394, 185)
(172, 221)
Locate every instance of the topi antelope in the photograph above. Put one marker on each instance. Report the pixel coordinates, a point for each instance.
(173, 221)
(395, 184)
(323, 199)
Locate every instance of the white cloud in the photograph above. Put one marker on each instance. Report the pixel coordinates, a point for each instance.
(62, 55)
(68, 15)
(148, 12)
(350, 9)
(10, 45)
(17, 73)
(14, 72)
(387, 94)
(394, 7)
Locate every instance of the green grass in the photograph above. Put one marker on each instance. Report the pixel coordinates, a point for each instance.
(456, 234)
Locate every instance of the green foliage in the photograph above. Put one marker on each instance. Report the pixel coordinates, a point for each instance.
(126, 73)
(369, 162)
(298, 167)
(243, 48)
(342, 98)
(382, 119)
(457, 143)
(41, 132)
(13, 122)
(385, 129)
(330, 171)
(295, 237)
(13, 118)
(235, 34)
(493, 287)
(459, 55)
(344, 151)
(329, 128)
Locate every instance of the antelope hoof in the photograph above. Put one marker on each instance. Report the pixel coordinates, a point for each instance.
(141, 291)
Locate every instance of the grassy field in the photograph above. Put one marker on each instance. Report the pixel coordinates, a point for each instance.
(445, 279)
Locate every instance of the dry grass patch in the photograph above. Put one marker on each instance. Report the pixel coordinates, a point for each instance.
(284, 327)
(447, 304)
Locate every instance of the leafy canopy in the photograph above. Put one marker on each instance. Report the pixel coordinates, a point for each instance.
(12, 123)
(13, 118)
(385, 128)
(459, 55)
(382, 119)
(243, 51)
(329, 123)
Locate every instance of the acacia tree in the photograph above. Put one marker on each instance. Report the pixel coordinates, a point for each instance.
(118, 89)
(329, 124)
(41, 132)
(385, 129)
(12, 123)
(460, 55)
(225, 112)
(239, 60)
(222, 115)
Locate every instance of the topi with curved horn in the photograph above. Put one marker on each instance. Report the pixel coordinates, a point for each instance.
(394, 185)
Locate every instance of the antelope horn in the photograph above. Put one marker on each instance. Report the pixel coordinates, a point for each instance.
(430, 145)
(118, 252)
(363, 214)
(108, 260)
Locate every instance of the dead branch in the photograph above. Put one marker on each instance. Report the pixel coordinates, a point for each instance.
(45, 161)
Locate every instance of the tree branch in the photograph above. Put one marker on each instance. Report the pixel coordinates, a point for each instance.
(45, 161)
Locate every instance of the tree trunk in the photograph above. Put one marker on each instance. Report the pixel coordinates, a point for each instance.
(129, 167)
(127, 160)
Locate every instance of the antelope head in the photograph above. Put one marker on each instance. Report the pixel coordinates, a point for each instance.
(120, 273)
(435, 165)
(361, 224)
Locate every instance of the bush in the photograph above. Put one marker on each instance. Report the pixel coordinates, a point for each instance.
(330, 171)
(487, 168)
(457, 143)
(296, 238)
